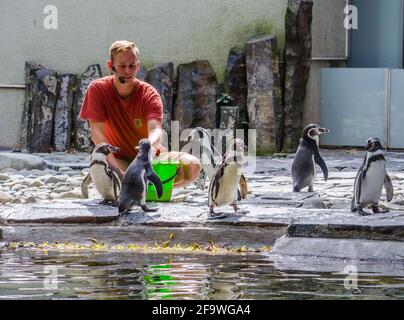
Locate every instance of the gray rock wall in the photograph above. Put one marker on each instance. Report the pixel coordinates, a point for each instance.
(298, 62)
(82, 136)
(264, 100)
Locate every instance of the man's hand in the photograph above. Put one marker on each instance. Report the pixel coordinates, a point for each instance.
(157, 150)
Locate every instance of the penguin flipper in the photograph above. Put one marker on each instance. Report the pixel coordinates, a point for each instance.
(153, 178)
(84, 186)
(238, 194)
(116, 183)
(358, 184)
(243, 187)
(388, 185)
(319, 160)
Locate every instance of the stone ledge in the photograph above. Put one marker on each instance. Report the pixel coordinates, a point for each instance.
(253, 237)
(349, 249)
(387, 226)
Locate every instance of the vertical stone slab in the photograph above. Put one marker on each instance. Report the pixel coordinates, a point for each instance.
(62, 129)
(298, 62)
(161, 78)
(235, 82)
(82, 133)
(30, 82)
(264, 100)
(39, 108)
(196, 95)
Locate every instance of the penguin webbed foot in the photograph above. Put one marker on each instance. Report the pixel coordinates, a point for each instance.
(147, 209)
(310, 189)
(362, 212)
(107, 202)
(376, 209)
(214, 215)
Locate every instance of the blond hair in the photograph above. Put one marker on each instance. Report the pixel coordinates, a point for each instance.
(123, 45)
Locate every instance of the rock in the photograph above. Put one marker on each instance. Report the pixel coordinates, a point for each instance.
(264, 100)
(63, 112)
(30, 199)
(314, 203)
(64, 169)
(62, 189)
(70, 194)
(7, 170)
(4, 198)
(161, 78)
(39, 108)
(18, 161)
(16, 200)
(298, 62)
(37, 183)
(196, 98)
(4, 177)
(54, 179)
(82, 134)
(228, 117)
(17, 187)
(235, 82)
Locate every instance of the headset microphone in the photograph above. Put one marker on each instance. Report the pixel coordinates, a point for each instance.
(121, 79)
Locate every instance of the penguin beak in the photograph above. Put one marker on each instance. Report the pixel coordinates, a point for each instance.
(322, 130)
(137, 148)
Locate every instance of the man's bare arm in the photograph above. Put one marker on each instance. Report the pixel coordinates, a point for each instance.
(98, 134)
(155, 134)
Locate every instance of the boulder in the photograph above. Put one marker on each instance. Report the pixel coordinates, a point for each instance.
(264, 100)
(161, 78)
(20, 161)
(82, 133)
(39, 108)
(298, 62)
(62, 130)
(196, 95)
(235, 83)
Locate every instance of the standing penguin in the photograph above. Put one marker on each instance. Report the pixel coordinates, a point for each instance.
(207, 153)
(223, 188)
(106, 179)
(134, 185)
(371, 178)
(306, 157)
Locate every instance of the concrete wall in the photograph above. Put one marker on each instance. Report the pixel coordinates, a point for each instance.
(165, 30)
(328, 50)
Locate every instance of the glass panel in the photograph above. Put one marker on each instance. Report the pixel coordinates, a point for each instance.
(352, 105)
(397, 109)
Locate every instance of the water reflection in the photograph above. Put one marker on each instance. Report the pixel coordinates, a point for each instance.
(101, 275)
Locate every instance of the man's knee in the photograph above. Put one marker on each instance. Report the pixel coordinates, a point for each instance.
(192, 167)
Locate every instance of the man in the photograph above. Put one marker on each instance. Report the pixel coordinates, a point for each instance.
(122, 110)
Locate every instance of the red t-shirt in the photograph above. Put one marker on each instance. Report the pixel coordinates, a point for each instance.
(125, 120)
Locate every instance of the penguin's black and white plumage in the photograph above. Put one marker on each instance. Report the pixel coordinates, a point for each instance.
(207, 153)
(306, 158)
(135, 180)
(371, 178)
(106, 179)
(223, 188)
(210, 158)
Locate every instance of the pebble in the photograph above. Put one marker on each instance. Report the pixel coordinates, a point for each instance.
(4, 177)
(17, 187)
(55, 179)
(30, 199)
(62, 189)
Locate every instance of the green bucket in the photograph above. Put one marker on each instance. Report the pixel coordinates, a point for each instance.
(166, 171)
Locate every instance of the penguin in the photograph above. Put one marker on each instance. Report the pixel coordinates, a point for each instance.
(134, 185)
(223, 188)
(208, 154)
(210, 158)
(306, 158)
(107, 179)
(370, 179)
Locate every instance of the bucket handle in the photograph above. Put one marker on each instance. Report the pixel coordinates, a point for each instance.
(171, 178)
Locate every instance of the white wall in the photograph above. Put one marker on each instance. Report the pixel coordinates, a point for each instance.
(165, 30)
